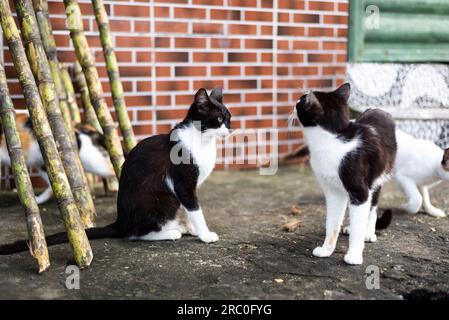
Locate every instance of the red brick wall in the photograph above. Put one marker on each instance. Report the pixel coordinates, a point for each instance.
(263, 53)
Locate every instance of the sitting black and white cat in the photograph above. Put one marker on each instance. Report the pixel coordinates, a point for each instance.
(160, 175)
(351, 161)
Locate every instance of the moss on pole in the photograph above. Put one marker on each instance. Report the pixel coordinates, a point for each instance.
(89, 112)
(42, 74)
(48, 41)
(114, 76)
(38, 246)
(69, 211)
(96, 93)
(70, 92)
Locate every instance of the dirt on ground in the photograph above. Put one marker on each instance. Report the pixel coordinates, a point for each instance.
(254, 258)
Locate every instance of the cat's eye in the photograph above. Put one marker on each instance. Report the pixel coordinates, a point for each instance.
(220, 119)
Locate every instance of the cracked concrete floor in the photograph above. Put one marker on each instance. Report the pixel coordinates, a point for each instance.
(254, 258)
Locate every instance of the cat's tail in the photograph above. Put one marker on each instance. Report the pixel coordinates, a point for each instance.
(384, 221)
(109, 231)
(298, 154)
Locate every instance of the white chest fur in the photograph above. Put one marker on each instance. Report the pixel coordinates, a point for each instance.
(327, 152)
(202, 149)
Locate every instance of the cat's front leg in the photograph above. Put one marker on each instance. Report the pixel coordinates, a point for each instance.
(411, 191)
(428, 207)
(358, 221)
(336, 203)
(196, 217)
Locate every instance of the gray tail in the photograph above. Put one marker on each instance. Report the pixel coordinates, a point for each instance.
(109, 231)
(384, 221)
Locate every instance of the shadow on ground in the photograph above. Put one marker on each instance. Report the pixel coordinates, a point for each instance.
(254, 258)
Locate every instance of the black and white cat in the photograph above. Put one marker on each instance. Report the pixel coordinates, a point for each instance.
(160, 175)
(351, 161)
(420, 165)
(91, 146)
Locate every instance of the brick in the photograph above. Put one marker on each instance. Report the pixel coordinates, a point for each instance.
(292, 4)
(190, 71)
(207, 28)
(190, 13)
(208, 57)
(190, 42)
(242, 84)
(290, 57)
(172, 56)
(306, 18)
(243, 3)
(335, 19)
(226, 71)
(131, 11)
(321, 6)
(321, 32)
(258, 44)
(258, 16)
(242, 57)
(225, 43)
(290, 31)
(171, 27)
(207, 84)
(217, 14)
(319, 57)
(172, 85)
(242, 29)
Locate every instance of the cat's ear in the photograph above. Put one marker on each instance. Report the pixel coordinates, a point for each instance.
(202, 101)
(217, 94)
(445, 161)
(313, 106)
(343, 91)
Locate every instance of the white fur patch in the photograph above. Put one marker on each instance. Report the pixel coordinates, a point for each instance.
(92, 159)
(202, 147)
(327, 152)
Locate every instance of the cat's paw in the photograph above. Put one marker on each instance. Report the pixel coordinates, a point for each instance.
(353, 259)
(209, 237)
(370, 237)
(173, 234)
(435, 212)
(322, 252)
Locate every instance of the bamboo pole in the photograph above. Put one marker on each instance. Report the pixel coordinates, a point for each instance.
(48, 41)
(70, 92)
(41, 71)
(22, 178)
(114, 75)
(75, 231)
(89, 112)
(86, 60)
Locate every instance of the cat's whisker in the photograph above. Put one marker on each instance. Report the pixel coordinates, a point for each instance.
(292, 120)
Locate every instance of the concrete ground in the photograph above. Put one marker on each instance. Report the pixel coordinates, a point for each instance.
(254, 259)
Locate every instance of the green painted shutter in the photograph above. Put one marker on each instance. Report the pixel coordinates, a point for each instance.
(407, 31)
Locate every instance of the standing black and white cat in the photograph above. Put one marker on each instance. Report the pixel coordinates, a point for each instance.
(420, 165)
(160, 175)
(351, 161)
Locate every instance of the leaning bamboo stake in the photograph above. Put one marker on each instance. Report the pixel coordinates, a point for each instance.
(70, 92)
(114, 76)
(86, 60)
(38, 246)
(89, 112)
(42, 131)
(48, 41)
(41, 71)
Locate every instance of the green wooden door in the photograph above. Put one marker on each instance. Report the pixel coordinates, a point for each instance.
(399, 31)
